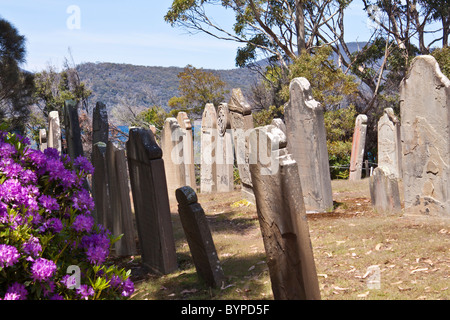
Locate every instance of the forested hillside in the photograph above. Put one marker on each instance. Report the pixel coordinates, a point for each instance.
(114, 83)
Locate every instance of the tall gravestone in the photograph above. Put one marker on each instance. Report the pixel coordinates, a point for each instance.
(389, 143)
(384, 191)
(199, 237)
(241, 123)
(224, 151)
(282, 216)
(173, 156)
(425, 131)
(100, 125)
(151, 201)
(54, 131)
(208, 175)
(188, 149)
(358, 145)
(73, 131)
(119, 191)
(306, 138)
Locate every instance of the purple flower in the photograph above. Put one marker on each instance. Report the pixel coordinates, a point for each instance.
(49, 203)
(83, 164)
(7, 150)
(16, 291)
(127, 288)
(8, 255)
(55, 224)
(97, 248)
(85, 291)
(52, 153)
(10, 168)
(69, 281)
(83, 223)
(43, 269)
(28, 176)
(83, 201)
(56, 297)
(32, 247)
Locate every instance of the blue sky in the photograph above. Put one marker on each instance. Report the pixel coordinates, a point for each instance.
(131, 31)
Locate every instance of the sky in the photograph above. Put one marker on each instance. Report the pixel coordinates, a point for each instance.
(131, 32)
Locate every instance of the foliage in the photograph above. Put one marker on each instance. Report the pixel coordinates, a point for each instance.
(442, 56)
(339, 125)
(47, 230)
(197, 88)
(154, 115)
(16, 86)
(265, 117)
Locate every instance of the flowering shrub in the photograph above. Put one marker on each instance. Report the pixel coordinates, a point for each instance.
(46, 229)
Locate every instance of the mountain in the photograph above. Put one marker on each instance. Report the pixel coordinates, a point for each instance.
(112, 83)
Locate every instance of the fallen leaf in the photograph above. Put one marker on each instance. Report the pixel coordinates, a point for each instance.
(378, 247)
(403, 289)
(396, 283)
(363, 295)
(443, 231)
(419, 270)
(189, 291)
(322, 275)
(340, 289)
(251, 268)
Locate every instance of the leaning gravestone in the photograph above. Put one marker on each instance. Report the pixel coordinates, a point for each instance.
(208, 182)
(241, 123)
(425, 128)
(120, 204)
(173, 156)
(389, 143)
(73, 131)
(282, 216)
(358, 145)
(199, 237)
(54, 131)
(151, 201)
(307, 142)
(188, 149)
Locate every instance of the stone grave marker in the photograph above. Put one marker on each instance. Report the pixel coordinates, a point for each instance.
(425, 134)
(358, 145)
(384, 191)
(73, 131)
(151, 201)
(54, 131)
(199, 237)
(306, 138)
(42, 139)
(389, 143)
(224, 151)
(208, 173)
(188, 149)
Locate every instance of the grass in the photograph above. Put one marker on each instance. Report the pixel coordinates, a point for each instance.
(410, 252)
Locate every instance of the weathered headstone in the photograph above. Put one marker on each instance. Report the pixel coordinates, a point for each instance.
(54, 131)
(151, 201)
(208, 173)
(224, 151)
(42, 139)
(389, 143)
(282, 217)
(100, 184)
(73, 131)
(198, 236)
(120, 203)
(307, 142)
(173, 156)
(358, 145)
(188, 149)
(241, 123)
(100, 126)
(425, 131)
(384, 191)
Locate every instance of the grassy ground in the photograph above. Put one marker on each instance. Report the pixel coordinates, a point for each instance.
(411, 253)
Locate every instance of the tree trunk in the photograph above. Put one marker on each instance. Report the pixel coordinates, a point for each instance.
(300, 26)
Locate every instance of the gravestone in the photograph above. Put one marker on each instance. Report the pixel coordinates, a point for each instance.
(54, 131)
(224, 151)
(188, 149)
(389, 143)
(42, 139)
(208, 173)
(100, 188)
(73, 131)
(151, 201)
(425, 133)
(100, 126)
(198, 236)
(358, 145)
(306, 138)
(384, 191)
(120, 203)
(173, 156)
(241, 123)
(282, 216)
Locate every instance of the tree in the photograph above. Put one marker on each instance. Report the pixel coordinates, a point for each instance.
(197, 88)
(16, 86)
